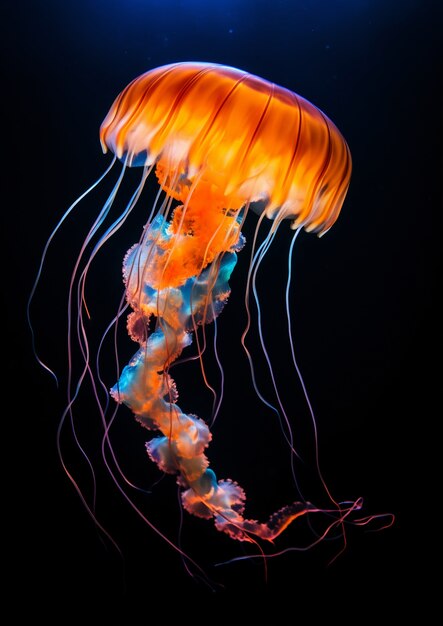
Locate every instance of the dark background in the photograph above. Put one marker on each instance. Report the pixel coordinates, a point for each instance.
(364, 300)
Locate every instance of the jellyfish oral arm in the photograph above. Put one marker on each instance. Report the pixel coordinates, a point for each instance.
(146, 387)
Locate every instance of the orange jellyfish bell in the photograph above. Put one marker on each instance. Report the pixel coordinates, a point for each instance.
(235, 139)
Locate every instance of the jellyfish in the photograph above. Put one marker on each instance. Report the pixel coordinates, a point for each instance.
(222, 141)
(222, 144)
